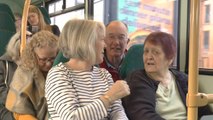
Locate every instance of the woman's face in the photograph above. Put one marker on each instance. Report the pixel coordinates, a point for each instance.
(33, 19)
(100, 45)
(45, 57)
(154, 58)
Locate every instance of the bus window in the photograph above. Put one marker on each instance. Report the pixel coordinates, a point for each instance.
(206, 35)
(60, 20)
(98, 10)
(71, 3)
(146, 16)
(56, 6)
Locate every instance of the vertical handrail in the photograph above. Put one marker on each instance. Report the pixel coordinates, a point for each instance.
(88, 9)
(193, 60)
(24, 25)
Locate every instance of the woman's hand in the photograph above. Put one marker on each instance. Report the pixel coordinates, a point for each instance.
(118, 90)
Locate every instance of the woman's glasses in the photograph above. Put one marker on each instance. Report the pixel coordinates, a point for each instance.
(45, 60)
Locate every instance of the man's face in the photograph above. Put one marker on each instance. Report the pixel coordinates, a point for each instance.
(116, 39)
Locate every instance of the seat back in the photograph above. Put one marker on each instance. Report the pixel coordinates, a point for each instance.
(45, 14)
(60, 58)
(132, 61)
(207, 117)
(5, 8)
(7, 30)
(6, 22)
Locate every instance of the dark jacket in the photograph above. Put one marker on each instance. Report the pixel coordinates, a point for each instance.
(141, 103)
(4, 113)
(55, 30)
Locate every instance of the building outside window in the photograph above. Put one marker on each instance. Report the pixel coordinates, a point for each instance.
(207, 13)
(206, 35)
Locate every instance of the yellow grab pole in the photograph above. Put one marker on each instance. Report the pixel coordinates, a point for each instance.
(24, 25)
(193, 60)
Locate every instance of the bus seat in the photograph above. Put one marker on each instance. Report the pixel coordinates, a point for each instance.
(4, 39)
(6, 22)
(6, 8)
(45, 14)
(132, 61)
(7, 30)
(207, 117)
(60, 58)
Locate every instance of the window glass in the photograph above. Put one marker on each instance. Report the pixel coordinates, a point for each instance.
(71, 3)
(207, 13)
(60, 20)
(56, 6)
(206, 40)
(145, 16)
(206, 35)
(98, 10)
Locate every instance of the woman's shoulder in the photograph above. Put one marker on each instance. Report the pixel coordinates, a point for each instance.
(58, 70)
(140, 73)
(101, 70)
(140, 77)
(179, 74)
(61, 67)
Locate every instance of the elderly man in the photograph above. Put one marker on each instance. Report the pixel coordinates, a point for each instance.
(116, 42)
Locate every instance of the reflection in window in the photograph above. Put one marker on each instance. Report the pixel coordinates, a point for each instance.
(207, 14)
(145, 16)
(206, 40)
(206, 35)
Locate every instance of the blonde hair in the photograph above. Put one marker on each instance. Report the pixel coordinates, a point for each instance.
(42, 24)
(40, 39)
(13, 47)
(78, 38)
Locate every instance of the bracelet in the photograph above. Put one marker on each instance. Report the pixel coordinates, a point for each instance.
(108, 98)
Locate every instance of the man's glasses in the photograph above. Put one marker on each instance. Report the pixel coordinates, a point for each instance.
(120, 38)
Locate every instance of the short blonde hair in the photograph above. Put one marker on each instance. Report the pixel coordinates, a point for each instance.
(40, 39)
(78, 38)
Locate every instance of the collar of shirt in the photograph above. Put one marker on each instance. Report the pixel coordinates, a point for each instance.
(109, 64)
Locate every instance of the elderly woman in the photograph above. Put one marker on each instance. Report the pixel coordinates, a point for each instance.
(26, 95)
(157, 92)
(77, 89)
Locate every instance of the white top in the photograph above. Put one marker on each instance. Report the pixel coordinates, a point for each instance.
(74, 95)
(168, 102)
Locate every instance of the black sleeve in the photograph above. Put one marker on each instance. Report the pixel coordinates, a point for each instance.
(55, 30)
(4, 113)
(140, 104)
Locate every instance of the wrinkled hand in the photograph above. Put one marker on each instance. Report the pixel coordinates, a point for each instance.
(118, 90)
